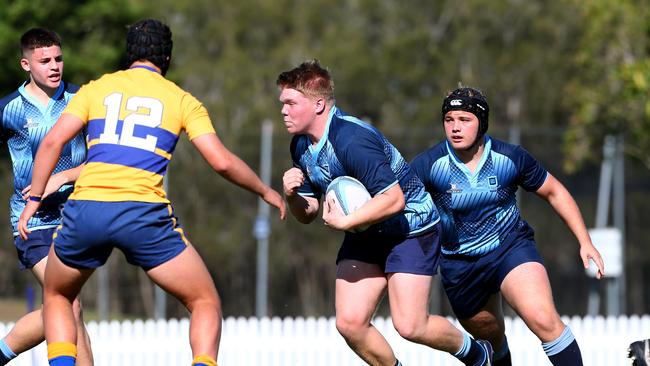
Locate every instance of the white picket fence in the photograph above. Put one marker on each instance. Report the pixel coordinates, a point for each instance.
(315, 342)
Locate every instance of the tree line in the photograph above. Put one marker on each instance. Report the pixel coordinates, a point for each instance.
(564, 73)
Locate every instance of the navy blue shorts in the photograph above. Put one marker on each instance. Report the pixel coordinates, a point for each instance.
(35, 248)
(147, 233)
(470, 281)
(417, 255)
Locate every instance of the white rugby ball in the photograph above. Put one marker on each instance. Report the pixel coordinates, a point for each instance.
(348, 195)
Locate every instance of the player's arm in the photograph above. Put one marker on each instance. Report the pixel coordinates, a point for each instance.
(231, 167)
(379, 208)
(66, 128)
(56, 181)
(304, 209)
(566, 207)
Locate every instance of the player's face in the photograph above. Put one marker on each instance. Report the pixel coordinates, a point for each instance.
(45, 66)
(298, 111)
(461, 129)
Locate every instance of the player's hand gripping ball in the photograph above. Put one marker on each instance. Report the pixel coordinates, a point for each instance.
(348, 195)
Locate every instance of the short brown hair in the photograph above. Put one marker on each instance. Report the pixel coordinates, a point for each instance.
(309, 78)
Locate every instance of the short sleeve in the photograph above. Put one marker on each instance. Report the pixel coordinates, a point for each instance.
(531, 173)
(421, 166)
(79, 105)
(196, 121)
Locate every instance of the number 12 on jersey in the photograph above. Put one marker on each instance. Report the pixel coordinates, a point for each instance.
(153, 119)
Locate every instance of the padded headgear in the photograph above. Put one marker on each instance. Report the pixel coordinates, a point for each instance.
(468, 100)
(150, 40)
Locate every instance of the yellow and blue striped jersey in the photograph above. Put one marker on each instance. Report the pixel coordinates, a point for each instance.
(134, 118)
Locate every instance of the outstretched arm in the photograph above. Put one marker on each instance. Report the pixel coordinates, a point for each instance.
(566, 207)
(67, 127)
(56, 181)
(231, 167)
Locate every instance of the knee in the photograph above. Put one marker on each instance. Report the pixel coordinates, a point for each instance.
(409, 328)
(208, 303)
(545, 324)
(349, 325)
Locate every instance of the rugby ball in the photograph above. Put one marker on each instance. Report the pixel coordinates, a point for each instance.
(348, 195)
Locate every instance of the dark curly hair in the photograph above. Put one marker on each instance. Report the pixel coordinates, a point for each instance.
(150, 40)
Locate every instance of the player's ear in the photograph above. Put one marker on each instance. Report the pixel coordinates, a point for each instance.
(320, 105)
(24, 63)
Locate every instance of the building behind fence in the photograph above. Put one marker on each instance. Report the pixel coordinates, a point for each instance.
(315, 342)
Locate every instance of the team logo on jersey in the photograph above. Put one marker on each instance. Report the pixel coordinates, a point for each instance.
(30, 123)
(454, 188)
(493, 183)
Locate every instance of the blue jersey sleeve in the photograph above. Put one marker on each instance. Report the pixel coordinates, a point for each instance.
(362, 155)
(4, 132)
(297, 148)
(421, 166)
(531, 173)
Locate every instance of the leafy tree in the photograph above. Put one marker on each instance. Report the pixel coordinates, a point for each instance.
(92, 33)
(391, 62)
(610, 93)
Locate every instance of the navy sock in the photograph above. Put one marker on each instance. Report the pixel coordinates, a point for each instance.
(505, 360)
(471, 353)
(563, 351)
(6, 354)
(568, 356)
(502, 356)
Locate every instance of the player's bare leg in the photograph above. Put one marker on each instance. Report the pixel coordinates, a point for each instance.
(408, 295)
(489, 324)
(28, 332)
(196, 290)
(84, 349)
(533, 302)
(359, 288)
(62, 286)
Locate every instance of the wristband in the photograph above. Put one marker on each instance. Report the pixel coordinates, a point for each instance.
(35, 198)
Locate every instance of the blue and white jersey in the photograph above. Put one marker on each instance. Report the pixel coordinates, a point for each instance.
(24, 122)
(478, 209)
(352, 147)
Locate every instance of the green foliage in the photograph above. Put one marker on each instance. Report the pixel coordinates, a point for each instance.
(543, 65)
(92, 34)
(609, 95)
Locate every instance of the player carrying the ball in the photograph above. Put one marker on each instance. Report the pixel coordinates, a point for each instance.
(398, 253)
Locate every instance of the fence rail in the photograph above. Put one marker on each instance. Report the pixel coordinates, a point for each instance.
(315, 342)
